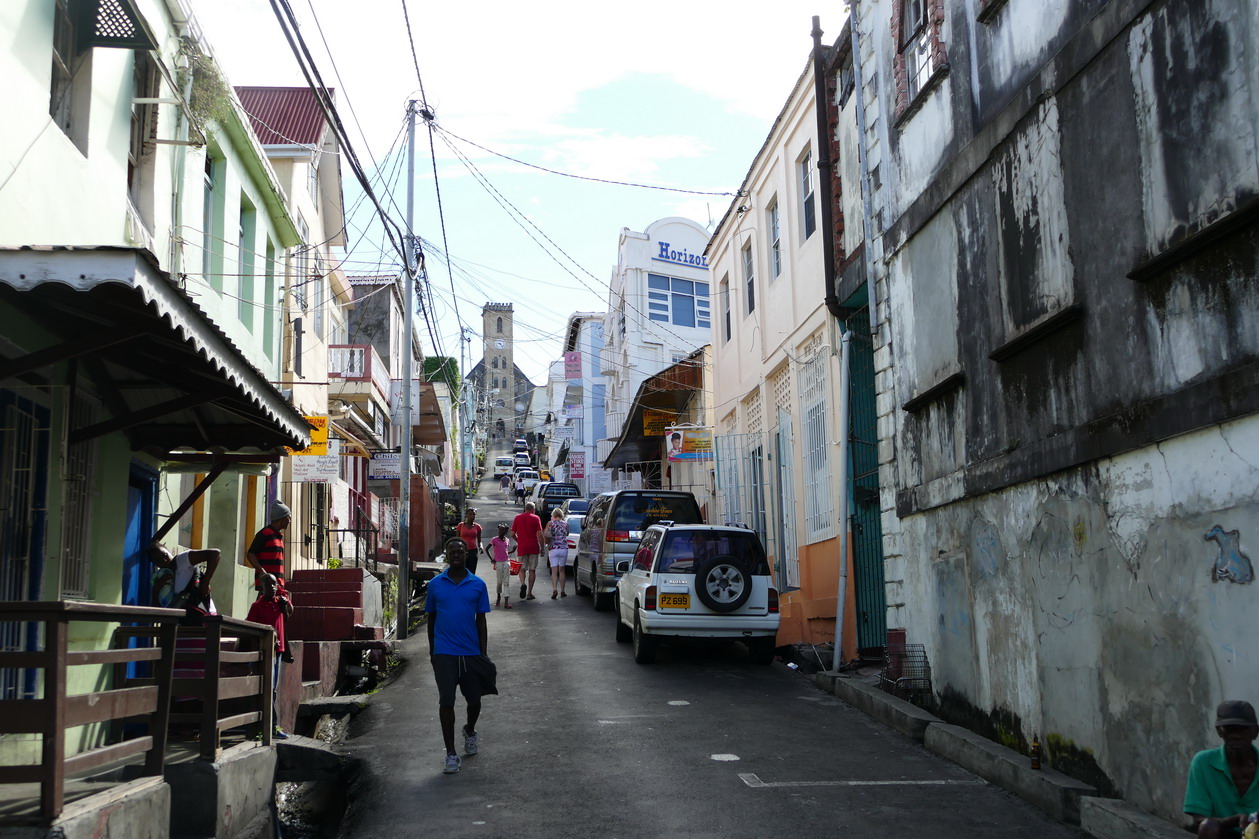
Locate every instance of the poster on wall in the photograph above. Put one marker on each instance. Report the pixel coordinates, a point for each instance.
(654, 422)
(576, 465)
(563, 432)
(385, 466)
(318, 439)
(572, 365)
(318, 469)
(686, 444)
(573, 410)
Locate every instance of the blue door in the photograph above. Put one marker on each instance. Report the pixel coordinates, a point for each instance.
(137, 570)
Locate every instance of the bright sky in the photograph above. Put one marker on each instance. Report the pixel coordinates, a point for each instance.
(678, 94)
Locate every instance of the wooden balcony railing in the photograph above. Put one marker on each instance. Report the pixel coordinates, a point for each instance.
(54, 711)
(222, 680)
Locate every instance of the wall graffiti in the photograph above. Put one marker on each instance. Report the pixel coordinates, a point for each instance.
(1231, 564)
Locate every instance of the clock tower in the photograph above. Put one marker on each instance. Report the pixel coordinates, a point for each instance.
(499, 365)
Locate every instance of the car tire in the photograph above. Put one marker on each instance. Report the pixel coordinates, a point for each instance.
(761, 650)
(723, 583)
(601, 602)
(644, 644)
(582, 590)
(623, 632)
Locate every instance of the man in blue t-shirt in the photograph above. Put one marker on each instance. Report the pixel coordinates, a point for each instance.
(456, 605)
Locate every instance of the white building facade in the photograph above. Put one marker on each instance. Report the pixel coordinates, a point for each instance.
(659, 311)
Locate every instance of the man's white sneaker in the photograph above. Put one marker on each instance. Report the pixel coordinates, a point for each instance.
(452, 765)
(470, 742)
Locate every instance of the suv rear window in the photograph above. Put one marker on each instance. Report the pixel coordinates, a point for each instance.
(638, 512)
(684, 550)
(561, 491)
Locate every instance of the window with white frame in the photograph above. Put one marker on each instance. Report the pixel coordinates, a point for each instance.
(818, 504)
(312, 178)
(775, 242)
(246, 232)
(915, 45)
(749, 277)
(808, 214)
(680, 302)
(725, 305)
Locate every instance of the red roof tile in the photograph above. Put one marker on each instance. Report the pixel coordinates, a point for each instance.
(283, 115)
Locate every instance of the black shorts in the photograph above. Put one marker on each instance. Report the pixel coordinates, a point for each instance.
(450, 670)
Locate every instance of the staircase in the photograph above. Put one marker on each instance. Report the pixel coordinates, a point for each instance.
(329, 605)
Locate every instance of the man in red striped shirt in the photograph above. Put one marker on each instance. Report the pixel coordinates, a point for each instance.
(266, 556)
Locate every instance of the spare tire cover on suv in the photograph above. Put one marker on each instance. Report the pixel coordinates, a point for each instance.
(723, 583)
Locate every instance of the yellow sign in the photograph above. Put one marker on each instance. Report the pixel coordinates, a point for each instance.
(654, 422)
(318, 438)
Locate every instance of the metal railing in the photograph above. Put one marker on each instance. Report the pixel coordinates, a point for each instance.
(217, 689)
(54, 711)
(359, 363)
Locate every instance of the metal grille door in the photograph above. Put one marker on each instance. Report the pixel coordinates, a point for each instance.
(866, 525)
(740, 467)
(788, 571)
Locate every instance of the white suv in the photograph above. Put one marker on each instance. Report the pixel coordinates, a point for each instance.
(697, 581)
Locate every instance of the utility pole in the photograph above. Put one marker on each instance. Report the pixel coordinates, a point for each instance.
(404, 515)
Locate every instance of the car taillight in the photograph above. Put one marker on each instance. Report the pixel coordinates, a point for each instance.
(649, 599)
(618, 536)
(773, 600)
(571, 544)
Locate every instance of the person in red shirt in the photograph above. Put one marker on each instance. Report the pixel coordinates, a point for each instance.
(266, 554)
(273, 608)
(470, 532)
(526, 529)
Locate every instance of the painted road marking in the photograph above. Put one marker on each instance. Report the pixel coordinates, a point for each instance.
(725, 757)
(756, 783)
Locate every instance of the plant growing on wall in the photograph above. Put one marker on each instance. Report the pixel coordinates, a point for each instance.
(209, 97)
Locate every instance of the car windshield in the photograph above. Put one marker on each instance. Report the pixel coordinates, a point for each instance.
(638, 512)
(684, 550)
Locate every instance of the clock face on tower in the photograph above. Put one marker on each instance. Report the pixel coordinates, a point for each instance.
(499, 344)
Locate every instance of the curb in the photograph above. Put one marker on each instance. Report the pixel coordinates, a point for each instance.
(1061, 796)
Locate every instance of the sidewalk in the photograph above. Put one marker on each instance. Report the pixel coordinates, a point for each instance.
(1063, 797)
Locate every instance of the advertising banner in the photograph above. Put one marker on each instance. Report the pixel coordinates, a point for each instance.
(385, 466)
(654, 422)
(689, 444)
(576, 465)
(572, 365)
(563, 432)
(395, 401)
(319, 469)
(573, 411)
(318, 439)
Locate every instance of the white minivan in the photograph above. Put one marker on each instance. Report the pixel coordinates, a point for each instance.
(503, 466)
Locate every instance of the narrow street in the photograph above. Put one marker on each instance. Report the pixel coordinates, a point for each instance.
(581, 741)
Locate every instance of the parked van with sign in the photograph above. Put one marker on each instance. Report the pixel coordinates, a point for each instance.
(503, 466)
(613, 528)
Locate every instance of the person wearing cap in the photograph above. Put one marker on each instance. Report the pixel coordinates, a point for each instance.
(1222, 792)
(266, 556)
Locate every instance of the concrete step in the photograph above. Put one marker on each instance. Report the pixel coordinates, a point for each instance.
(353, 599)
(1112, 818)
(318, 586)
(335, 705)
(306, 759)
(1057, 794)
(328, 575)
(323, 623)
(903, 716)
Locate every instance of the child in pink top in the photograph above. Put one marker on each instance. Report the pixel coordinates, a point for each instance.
(499, 553)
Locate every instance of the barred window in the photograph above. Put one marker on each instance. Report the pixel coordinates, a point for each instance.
(819, 505)
(80, 466)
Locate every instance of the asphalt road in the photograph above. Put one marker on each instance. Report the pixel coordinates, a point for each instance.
(583, 742)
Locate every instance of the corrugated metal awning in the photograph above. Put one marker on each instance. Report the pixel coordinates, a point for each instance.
(167, 376)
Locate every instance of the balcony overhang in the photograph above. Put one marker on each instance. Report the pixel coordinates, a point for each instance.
(167, 376)
(668, 391)
(431, 427)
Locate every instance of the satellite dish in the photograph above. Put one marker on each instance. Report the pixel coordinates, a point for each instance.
(520, 406)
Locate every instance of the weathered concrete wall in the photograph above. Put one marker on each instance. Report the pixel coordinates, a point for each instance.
(1066, 266)
(1107, 608)
(220, 799)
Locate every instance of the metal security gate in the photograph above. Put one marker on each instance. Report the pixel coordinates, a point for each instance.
(740, 466)
(866, 526)
(24, 442)
(788, 570)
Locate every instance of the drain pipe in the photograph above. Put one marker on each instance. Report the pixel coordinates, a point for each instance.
(821, 108)
(867, 214)
(845, 355)
(824, 167)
